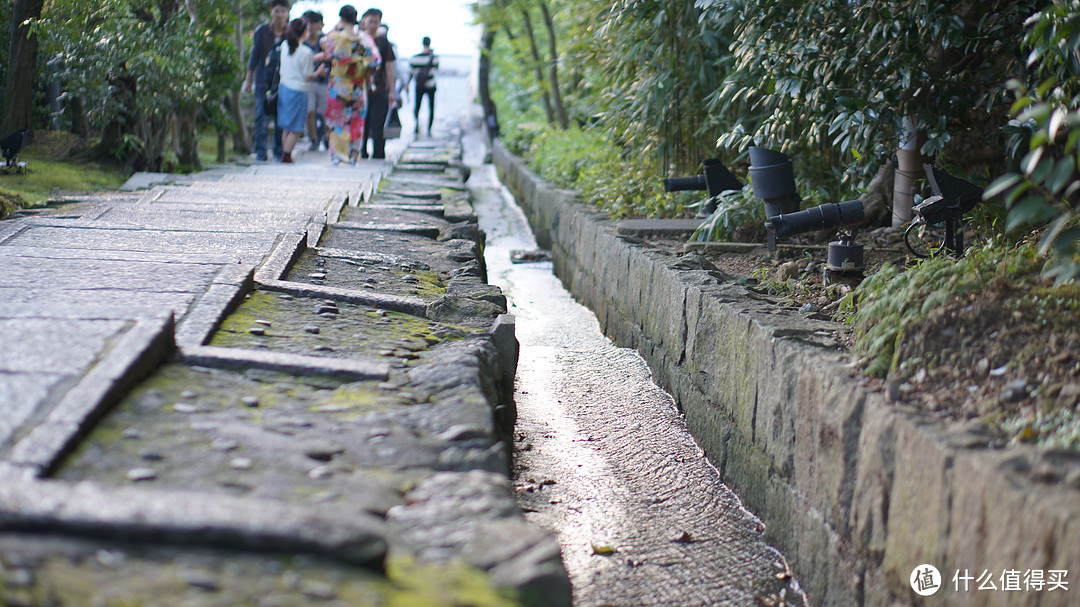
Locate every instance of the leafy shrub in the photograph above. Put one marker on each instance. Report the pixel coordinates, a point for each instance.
(1044, 189)
(603, 174)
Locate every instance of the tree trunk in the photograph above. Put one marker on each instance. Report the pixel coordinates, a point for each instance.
(221, 148)
(491, 121)
(241, 141)
(538, 66)
(908, 169)
(487, 42)
(556, 94)
(22, 67)
(187, 138)
(77, 113)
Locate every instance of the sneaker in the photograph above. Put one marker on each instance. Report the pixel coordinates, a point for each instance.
(286, 158)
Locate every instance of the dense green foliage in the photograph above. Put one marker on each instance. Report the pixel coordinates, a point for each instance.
(137, 65)
(1046, 130)
(587, 162)
(834, 81)
(838, 85)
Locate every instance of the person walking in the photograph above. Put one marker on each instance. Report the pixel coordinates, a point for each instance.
(262, 68)
(382, 95)
(353, 60)
(316, 116)
(423, 66)
(297, 70)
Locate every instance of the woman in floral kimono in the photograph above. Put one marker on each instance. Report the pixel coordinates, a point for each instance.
(354, 59)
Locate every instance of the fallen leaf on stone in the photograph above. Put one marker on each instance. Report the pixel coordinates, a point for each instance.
(603, 550)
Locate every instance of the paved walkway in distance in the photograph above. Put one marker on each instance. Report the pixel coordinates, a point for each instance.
(270, 385)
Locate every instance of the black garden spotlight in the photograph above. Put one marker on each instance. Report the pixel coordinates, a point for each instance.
(773, 180)
(952, 197)
(714, 178)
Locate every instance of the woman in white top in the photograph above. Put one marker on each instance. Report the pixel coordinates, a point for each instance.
(297, 70)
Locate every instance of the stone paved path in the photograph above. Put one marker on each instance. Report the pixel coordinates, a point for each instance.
(271, 385)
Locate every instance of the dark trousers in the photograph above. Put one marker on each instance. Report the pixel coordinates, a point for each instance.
(378, 108)
(262, 124)
(418, 97)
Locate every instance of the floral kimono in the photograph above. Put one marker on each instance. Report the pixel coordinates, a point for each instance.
(354, 59)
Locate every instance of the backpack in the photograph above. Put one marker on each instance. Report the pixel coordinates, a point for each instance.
(272, 60)
(425, 73)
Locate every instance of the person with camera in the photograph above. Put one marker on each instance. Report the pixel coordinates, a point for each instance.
(423, 65)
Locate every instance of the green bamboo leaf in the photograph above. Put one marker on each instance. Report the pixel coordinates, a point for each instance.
(1001, 184)
(1031, 161)
(1028, 210)
(1062, 175)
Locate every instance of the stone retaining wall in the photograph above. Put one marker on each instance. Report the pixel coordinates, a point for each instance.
(856, 491)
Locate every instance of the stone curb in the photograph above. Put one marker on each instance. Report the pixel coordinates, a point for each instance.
(857, 491)
(235, 358)
(185, 518)
(135, 355)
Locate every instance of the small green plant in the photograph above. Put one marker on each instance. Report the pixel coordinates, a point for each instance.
(738, 218)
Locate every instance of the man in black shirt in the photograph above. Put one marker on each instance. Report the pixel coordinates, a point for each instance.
(382, 95)
(262, 67)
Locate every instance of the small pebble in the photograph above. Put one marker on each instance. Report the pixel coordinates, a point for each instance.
(110, 558)
(317, 590)
(20, 578)
(184, 408)
(201, 580)
(188, 394)
(312, 329)
(323, 349)
(136, 475)
(323, 497)
(150, 455)
(224, 444)
(257, 330)
(320, 472)
(323, 452)
(131, 433)
(241, 463)
(250, 401)
(265, 323)
(317, 275)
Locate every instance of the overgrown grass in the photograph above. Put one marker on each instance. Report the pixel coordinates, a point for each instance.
(893, 300)
(47, 177)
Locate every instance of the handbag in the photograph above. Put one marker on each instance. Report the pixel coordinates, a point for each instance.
(392, 128)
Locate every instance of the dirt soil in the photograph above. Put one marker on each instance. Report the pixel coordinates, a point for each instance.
(1005, 360)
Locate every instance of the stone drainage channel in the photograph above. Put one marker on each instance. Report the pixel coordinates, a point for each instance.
(603, 457)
